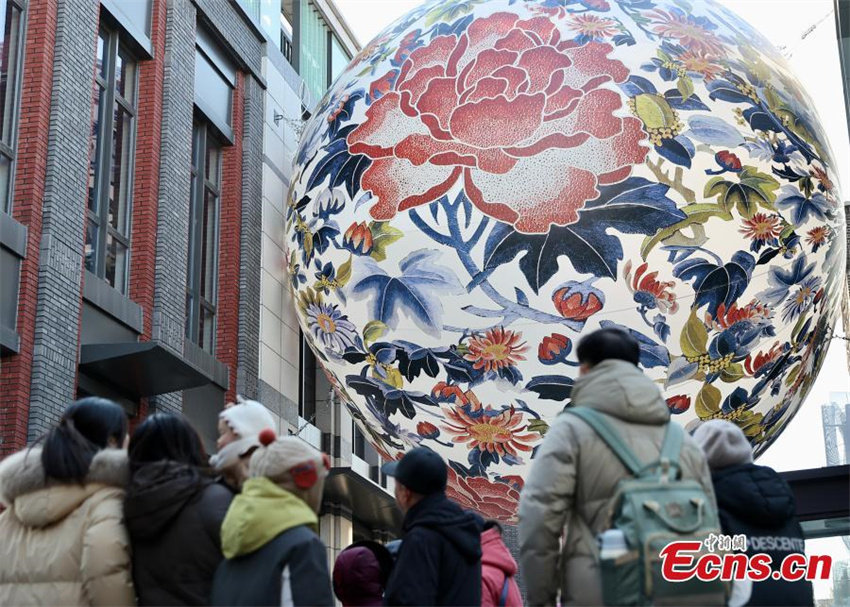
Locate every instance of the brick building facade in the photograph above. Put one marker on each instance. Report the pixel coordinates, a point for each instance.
(145, 153)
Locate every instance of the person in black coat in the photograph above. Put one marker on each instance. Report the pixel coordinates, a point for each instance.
(173, 510)
(439, 562)
(754, 501)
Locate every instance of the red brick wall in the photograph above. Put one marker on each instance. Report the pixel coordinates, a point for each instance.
(146, 184)
(34, 122)
(227, 326)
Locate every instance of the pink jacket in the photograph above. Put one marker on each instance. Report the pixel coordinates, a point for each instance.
(497, 564)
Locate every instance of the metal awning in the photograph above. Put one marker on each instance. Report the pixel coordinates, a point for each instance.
(140, 369)
(368, 502)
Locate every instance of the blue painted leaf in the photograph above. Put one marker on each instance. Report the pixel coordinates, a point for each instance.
(675, 152)
(714, 131)
(521, 297)
(674, 98)
(342, 168)
(652, 354)
(715, 284)
(680, 370)
(551, 387)
(636, 85)
(635, 206)
(416, 292)
(725, 91)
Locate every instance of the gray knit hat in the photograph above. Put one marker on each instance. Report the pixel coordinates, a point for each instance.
(724, 444)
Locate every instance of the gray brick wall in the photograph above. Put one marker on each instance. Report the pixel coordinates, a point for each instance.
(251, 240)
(235, 34)
(174, 185)
(58, 306)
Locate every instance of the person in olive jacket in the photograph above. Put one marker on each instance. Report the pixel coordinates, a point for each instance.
(754, 501)
(173, 509)
(273, 555)
(439, 562)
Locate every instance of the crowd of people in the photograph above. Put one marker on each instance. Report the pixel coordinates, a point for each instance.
(95, 515)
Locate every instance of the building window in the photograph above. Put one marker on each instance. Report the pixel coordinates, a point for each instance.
(359, 446)
(11, 59)
(307, 385)
(201, 284)
(111, 159)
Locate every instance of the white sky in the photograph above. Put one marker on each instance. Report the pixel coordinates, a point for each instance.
(815, 61)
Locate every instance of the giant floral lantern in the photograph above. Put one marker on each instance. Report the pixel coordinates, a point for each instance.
(487, 181)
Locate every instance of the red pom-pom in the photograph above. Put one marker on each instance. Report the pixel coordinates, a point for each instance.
(267, 437)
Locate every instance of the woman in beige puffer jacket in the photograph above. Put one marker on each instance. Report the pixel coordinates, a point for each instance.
(63, 540)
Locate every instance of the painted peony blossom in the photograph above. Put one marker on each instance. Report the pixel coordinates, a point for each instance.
(519, 116)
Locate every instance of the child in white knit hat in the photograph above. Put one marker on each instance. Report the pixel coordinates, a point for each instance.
(239, 427)
(269, 536)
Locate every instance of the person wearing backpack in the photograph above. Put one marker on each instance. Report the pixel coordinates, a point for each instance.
(754, 501)
(498, 570)
(572, 488)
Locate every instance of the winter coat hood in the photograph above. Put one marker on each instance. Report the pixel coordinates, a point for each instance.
(157, 494)
(754, 494)
(357, 578)
(495, 554)
(620, 389)
(38, 501)
(459, 527)
(259, 514)
(64, 543)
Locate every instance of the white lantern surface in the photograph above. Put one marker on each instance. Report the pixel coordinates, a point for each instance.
(490, 180)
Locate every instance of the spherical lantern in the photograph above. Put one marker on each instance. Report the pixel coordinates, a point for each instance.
(488, 181)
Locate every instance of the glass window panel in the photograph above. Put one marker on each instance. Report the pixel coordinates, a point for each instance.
(102, 45)
(5, 178)
(206, 330)
(313, 50)
(93, 146)
(119, 182)
(116, 263)
(213, 162)
(9, 55)
(339, 59)
(208, 245)
(125, 76)
(91, 247)
(212, 90)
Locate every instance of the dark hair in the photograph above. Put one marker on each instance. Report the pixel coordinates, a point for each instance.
(493, 525)
(608, 344)
(86, 427)
(166, 436)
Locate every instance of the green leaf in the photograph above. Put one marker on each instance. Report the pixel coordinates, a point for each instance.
(753, 189)
(732, 373)
(343, 274)
(383, 235)
(373, 331)
(686, 87)
(539, 426)
(708, 401)
(697, 214)
(694, 338)
(792, 375)
(663, 56)
(717, 186)
(795, 333)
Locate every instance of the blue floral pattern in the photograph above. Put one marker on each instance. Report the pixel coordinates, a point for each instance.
(487, 181)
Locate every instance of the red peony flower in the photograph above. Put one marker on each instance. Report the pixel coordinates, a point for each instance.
(648, 291)
(358, 239)
(554, 349)
(754, 364)
(520, 116)
(497, 501)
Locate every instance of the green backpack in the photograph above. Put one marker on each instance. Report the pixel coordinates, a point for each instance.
(652, 508)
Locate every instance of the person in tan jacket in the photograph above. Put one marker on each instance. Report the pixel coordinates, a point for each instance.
(570, 489)
(63, 540)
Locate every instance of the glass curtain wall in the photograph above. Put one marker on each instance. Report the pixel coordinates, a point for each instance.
(313, 49)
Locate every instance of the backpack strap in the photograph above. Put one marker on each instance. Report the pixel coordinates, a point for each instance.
(503, 598)
(671, 447)
(596, 420)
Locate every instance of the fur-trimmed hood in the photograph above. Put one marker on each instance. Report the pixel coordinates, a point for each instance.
(38, 501)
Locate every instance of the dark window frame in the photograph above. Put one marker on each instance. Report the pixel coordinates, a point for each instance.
(9, 148)
(108, 100)
(308, 367)
(196, 300)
